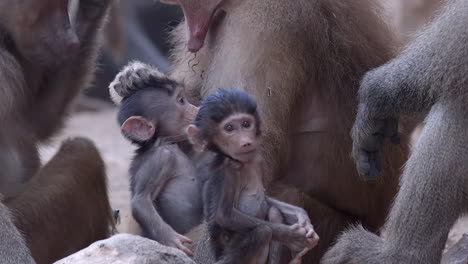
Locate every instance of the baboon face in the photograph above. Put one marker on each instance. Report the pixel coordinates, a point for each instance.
(198, 15)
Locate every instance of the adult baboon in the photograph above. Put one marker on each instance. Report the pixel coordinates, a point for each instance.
(412, 15)
(47, 55)
(302, 60)
(430, 75)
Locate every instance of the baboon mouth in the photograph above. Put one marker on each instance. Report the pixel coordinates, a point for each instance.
(250, 152)
(198, 23)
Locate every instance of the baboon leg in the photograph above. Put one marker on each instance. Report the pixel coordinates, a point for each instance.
(65, 206)
(432, 196)
(328, 222)
(277, 251)
(15, 250)
(249, 248)
(203, 252)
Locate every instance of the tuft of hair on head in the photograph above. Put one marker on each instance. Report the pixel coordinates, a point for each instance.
(132, 77)
(223, 103)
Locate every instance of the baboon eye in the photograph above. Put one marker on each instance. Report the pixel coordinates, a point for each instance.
(246, 124)
(229, 128)
(182, 100)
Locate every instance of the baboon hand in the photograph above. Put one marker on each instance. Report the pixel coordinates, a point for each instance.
(295, 238)
(303, 221)
(179, 241)
(368, 138)
(312, 241)
(176, 240)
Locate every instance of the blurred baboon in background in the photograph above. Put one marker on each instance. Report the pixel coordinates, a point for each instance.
(137, 30)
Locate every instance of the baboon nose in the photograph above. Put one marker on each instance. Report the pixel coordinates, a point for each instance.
(247, 144)
(72, 46)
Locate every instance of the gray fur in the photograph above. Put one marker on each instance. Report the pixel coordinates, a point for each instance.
(430, 75)
(425, 73)
(129, 79)
(12, 246)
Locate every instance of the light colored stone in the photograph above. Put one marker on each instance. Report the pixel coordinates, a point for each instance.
(457, 254)
(127, 249)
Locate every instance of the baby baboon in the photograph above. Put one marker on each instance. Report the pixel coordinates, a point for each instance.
(153, 114)
(245, 224)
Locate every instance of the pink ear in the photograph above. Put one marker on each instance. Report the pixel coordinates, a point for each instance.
(198, 144)
(138, 128)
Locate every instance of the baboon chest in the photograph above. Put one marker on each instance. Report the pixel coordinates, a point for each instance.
(251, 196)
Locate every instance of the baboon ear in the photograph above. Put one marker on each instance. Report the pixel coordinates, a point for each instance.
(138, 128)
(193, 134)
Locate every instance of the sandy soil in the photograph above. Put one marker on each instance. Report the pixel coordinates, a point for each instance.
(98, 122)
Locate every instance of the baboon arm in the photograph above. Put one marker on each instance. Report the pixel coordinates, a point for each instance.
(149, 181)
(426, 71)
(431, 197)
(232, 218)
(149, 219)
(355, 245)
(238, 221)
(13, 248)
(292, 214)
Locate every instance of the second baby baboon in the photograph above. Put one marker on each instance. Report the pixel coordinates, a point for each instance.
(153, 114)
(245, 224)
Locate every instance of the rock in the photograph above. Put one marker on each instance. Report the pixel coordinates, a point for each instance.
(458, 254)
(128, 249)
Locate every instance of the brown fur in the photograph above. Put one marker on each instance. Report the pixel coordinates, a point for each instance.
(303, 61)
(37, 89)
(65, 191)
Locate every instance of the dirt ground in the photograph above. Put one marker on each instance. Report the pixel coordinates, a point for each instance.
(97, 121)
